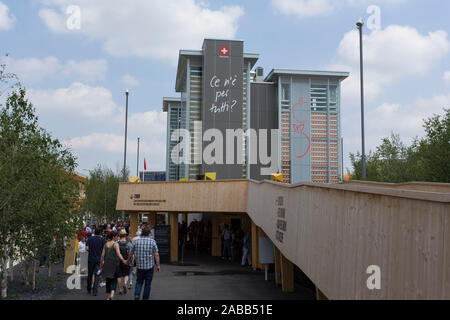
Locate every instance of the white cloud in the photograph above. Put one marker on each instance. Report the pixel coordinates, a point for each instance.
(389, 55)
(7, 20)
(153, 29)
(32, 69)
(129, 81)
(303, 8)
(88, 70)
(149, 126)
(404, 119)
(106, 142)
(150, 122)
(374, 2)
(78, 100)
(94, 110)
(446, 77)
(309, 8)
(114, 143)
(35, 70)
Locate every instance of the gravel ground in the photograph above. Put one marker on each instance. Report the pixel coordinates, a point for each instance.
(46, 287)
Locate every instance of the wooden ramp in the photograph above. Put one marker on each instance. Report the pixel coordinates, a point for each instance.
(333, 233)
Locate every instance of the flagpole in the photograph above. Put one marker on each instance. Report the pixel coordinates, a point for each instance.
(137, 166)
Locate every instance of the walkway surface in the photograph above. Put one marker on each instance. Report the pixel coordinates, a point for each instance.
(203, 278)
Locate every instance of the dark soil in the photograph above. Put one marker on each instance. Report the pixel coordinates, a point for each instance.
(46, 287)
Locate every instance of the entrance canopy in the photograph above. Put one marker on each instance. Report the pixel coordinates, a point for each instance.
(333, 233)
(228, 196)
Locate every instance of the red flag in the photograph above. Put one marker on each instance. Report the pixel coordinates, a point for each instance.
(145, 165)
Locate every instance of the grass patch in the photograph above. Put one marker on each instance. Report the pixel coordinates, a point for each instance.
(14, 295)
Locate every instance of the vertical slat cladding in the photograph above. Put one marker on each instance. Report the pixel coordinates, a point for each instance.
(340, 233)
(286, 145)
(196, 89)
(244, 124)
(324, 133)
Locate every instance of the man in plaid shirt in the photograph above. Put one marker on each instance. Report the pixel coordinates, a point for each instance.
(146, 256)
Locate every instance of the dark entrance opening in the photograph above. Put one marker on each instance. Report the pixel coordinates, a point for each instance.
(194, 238)
(236, 224)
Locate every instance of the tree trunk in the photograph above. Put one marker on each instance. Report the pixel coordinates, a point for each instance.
(49, 270)
(33, 284)
(10, 270)
(11, 273)
(4, 281)
(26, 272)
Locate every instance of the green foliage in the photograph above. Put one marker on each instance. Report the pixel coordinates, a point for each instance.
(434, 149)
(427, 159)
(38, 192)
(101, 193)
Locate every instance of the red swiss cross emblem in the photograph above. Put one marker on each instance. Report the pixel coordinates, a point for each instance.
(224, 51)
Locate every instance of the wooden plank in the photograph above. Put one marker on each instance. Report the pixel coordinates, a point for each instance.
(320, 295)
(133, 224)
(277, 258)
(173, 222)
(152, 219)
(287, 275)
(216, 239)
(261, 234)
(70, 252)
(255, 247)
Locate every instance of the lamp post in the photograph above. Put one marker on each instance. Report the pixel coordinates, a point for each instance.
(360, 25)
(125, 149)
(137, 165)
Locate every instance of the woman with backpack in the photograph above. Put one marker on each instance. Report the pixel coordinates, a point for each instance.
(110, 263)
(124, 247)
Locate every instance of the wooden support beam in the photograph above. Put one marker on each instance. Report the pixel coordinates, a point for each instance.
(287, 275)
(216, 244)
(320, 295)
(152, 219)
(261, 234)
(277, 258)
(133, 224)
(255, 247)
(173, 222)
(70, 252)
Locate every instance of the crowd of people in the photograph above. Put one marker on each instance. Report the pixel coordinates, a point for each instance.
(236, 243)
(113, 259)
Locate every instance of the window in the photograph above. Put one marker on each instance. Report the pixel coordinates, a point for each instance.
(285, 92)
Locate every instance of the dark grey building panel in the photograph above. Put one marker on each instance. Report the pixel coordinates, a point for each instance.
(263, 115)
(223, 97)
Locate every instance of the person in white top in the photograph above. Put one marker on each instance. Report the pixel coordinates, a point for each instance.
(133, 268)
(82, 245)
(152, 233)
(138, 235)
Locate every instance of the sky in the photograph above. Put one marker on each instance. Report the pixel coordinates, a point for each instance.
(76, 58)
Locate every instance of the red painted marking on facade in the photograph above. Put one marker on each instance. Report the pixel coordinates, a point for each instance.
(301, 125)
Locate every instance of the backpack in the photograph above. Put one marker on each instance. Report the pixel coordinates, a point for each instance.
(123, 248)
